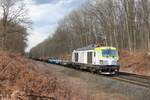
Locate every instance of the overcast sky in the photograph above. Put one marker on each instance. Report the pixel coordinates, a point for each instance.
(45, 15)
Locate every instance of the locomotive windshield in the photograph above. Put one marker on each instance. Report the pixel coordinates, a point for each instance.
(109, 53)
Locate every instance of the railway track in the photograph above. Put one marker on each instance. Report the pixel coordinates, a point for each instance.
(143, 81)
(140, 80)
(133, 80)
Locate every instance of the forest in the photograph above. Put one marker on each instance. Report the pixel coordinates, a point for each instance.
(120, 23)
(13, 26)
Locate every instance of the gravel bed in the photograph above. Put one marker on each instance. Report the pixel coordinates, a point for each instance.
(97, 83)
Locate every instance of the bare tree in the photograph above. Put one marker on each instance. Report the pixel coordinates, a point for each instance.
(14, 12)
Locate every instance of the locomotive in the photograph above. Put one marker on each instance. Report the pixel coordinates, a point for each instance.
(104, 60)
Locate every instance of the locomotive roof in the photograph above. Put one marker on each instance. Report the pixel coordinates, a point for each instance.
(89, 47)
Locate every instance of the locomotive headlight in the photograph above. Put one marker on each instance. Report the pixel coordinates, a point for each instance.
(115, 62)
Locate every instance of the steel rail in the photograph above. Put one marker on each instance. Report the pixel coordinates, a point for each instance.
(135, 82)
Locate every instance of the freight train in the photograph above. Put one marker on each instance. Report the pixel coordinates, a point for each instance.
(102, 60)
(93, 58)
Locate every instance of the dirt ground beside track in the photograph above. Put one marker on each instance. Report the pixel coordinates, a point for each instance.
(136, 62)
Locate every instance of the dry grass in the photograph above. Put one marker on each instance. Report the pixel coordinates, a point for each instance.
(19, 78)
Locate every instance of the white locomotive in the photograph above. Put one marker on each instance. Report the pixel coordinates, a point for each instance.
(100, 59)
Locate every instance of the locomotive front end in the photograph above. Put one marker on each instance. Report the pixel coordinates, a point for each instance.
(107, 59)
